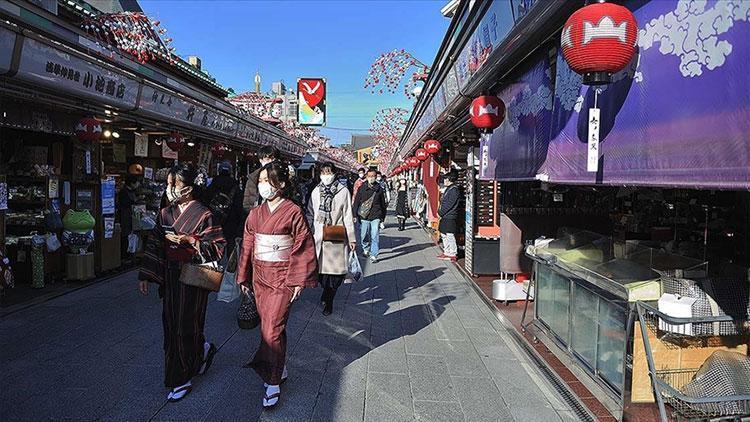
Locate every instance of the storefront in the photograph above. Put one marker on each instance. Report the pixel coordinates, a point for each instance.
(79, 122)
(661, 212)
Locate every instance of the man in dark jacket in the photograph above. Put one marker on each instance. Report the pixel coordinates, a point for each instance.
(448, 213)
(251, 199)
(369, 209)
(224, 198)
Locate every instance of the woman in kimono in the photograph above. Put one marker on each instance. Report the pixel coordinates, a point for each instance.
(331, 205)
(280, 248)
(402, 203)
(184, 233)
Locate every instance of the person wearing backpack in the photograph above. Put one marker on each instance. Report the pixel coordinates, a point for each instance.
(224, 199)
(369, 209)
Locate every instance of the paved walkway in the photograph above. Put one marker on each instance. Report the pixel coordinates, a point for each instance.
(410, 341)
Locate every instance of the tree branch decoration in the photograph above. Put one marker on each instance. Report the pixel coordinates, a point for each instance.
(390, 69)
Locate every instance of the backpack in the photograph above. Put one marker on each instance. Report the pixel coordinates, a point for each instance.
(221, 205)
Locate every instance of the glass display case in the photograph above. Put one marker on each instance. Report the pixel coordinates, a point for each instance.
(585, 284)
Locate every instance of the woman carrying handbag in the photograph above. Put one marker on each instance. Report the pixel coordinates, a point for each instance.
(279, 248)
(329, 212)
(181, 255)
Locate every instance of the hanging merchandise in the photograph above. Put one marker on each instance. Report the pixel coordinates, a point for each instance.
(53, 242)
(132, 33)
(599, 40)
(421, 154)
(487, 112)
(7, 280)
(38, 242)
(132, 243)
(89, 129)
(432, 146)
(175, 142)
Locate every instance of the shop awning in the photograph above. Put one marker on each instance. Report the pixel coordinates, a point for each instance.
(517, 149)
(673, 118)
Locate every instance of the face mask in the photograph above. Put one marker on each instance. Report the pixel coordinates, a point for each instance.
(327, 179)
(379, 179)
(174, 196)
(371, 180)
(361, 175)
(266, 191)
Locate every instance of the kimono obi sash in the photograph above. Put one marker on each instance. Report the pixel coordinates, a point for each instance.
(273, 247)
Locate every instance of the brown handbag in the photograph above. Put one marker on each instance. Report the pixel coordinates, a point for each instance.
(202, 276)
(335, 233)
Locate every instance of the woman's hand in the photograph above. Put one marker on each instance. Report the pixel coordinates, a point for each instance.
(180, 239)
(245, 289)
(296, 292)
(352, 246)
(143, 287)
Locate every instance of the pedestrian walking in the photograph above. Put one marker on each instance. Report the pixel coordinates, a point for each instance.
(329, 212)
(359, 182)
(251, 198)
(381, 180)
(280, 249)
(224, 198)
(448, 213)
(402, 203)
(185, 234)
(370, 209)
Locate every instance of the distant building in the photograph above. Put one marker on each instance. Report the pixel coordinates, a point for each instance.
(195, 61)
(362, 147)
(278, 88)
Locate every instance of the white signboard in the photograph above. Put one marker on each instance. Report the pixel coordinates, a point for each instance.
(140, 146)
(592, 164)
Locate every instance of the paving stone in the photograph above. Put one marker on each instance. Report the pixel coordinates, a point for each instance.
(388, 398)
(430, 378)
(480, 399)
(438, 411)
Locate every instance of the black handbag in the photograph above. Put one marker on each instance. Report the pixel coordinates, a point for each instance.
(247, 314)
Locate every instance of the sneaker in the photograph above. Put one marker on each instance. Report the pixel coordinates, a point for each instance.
(374, 259)
(365, 252)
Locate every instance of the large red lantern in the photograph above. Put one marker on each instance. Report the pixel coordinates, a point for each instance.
(175, 142)
(421, 154)
(487, 112)
(89, 129)
(218, 150)
(432, 146)
(413, 162)
(599, 40)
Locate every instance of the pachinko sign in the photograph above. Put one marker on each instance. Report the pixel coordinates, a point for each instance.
(311, 96)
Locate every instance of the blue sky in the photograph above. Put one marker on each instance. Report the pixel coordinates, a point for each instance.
(285, 40)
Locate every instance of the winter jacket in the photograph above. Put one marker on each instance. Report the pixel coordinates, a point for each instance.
(379, 207)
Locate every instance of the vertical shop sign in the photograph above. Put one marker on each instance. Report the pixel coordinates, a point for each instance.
(311, 98)
(108, 196)
(140, 146)
(592, 164)
(88, 162)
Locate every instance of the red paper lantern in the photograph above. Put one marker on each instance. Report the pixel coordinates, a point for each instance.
(421, 154)
(599, 40)
(413, 162)
(218, 150)
(487, 112)
(89, 129)
(175, 142)
(432, 146)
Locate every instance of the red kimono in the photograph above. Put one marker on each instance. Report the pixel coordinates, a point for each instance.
(184, 307)
(280, 248)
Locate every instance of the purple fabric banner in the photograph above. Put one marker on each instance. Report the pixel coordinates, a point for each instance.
(517, 149)
(679, 116)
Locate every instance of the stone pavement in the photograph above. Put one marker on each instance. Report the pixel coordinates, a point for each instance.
(410, 341)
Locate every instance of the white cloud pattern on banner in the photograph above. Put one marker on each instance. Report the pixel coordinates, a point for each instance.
(529, 103)
(692, 33)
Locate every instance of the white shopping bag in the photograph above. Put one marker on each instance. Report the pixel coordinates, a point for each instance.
(132, 243)
(53, 243)
(354, 270)
(229, 290)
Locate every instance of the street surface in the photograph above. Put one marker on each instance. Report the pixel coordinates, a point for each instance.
(410, 341)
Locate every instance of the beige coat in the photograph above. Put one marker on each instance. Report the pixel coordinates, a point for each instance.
(332, 256)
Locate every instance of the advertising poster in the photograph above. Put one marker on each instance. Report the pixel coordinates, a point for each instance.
(109, 227)
(108, 196)
(312, 101)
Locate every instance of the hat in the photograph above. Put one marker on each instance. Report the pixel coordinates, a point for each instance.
(224, 166)
(135, 169)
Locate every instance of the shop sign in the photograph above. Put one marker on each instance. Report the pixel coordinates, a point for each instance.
(7, 41)
(167, 152)
(108, 196)
(140, 146)
(177, 108)
(49, 67)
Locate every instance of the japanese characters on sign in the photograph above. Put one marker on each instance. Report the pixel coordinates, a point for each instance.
(178, 108)
(52, 68)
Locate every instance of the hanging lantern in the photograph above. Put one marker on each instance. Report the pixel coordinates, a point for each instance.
(89, 129)
(487, 112)
(413, 162)
(175, 142)
(432, 146)
(599, 40)
(421, 154)
(218, 150)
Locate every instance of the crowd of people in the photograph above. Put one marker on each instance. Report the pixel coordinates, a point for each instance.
(285, 235)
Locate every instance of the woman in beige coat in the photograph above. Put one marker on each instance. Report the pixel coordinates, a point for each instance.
(331, 204)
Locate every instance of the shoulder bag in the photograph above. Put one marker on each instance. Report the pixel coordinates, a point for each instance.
(334, 233)
(365, 207)
(205, 276)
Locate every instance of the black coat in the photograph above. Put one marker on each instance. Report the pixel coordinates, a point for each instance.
(448, 210)
(235, 217)
(379, 207)
(402, 204)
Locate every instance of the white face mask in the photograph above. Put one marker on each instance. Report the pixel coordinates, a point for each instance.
(371, 180)
(266, 191)
(173, 196)
(361, 175)
(327, 179)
